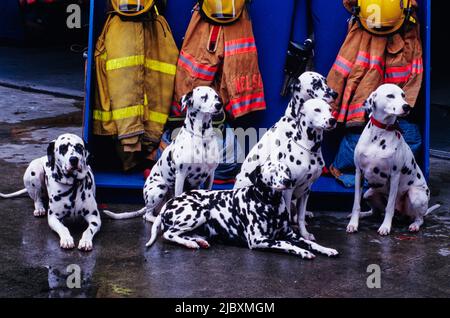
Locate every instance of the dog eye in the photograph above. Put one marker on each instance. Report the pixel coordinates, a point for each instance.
(391, 96)
(317, 110)
(79, 148)
(63, 149)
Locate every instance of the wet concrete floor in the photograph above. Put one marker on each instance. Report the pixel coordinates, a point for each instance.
(33, 265)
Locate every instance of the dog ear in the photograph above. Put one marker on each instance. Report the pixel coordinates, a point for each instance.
(370, 104)
(254, 175)
(87, 157)
(51, 154)
(187, 101)
(295, 86)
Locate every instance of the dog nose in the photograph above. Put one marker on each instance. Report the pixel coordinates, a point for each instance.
(334, 94)
(287, 183)
(218, 106)
(73, 161)
(332, 121)
(407, 108)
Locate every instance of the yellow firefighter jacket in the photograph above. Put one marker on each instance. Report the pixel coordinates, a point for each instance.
(135, 67)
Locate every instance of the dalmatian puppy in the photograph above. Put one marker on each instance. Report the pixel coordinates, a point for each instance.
(189, 161)
(303, 155)
(64, 180)
(253, 216)
(310, 85)
(385, 160)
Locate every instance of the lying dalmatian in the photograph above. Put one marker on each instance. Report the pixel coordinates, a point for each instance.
(385, 160)
(189, 161)
(64, 180)
(309, 85)
(253, 216)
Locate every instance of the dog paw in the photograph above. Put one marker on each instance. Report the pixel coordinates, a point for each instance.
(352, 228)
(202, 243)
(414, 227)
(309, 214)
(384, 230)
(192, 245)
(330, 252)
(148, 217)
(307, 255)
(85, 245)
(308, 236)
(39, 212)
(67, 242)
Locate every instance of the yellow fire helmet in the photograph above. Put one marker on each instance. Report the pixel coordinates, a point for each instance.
(222, 11)
(131, 8)
(383, 17)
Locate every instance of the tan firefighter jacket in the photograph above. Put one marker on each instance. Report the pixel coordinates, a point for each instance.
(366, 61)
(135, 67)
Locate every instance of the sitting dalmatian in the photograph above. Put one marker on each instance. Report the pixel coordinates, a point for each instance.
(309, 85)
(189, 161)
(385, 160)
(254, 216)
(303, 155)
(64, 180)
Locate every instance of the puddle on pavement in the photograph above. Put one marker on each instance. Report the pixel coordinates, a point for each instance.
(44, 282)
(34, 145)
(25, 141)
(33, 106)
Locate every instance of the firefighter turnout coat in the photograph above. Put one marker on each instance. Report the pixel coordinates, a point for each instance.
(135, 67)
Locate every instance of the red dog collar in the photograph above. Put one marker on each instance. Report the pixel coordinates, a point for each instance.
(394, 127)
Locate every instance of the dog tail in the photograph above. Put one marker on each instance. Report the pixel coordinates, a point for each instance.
(125, 215)
(155, 229)
(433, 208)
(13, 195)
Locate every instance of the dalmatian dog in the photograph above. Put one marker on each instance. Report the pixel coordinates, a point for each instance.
(310, 85)
(64, 180)
(189, 161)
(384, 159)
(303, 155)
(254, 216)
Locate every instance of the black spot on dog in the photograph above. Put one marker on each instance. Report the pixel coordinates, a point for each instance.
(63, 149)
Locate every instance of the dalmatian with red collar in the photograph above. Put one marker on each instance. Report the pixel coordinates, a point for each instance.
(253, 216)
(189, 161)
(383, 158)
